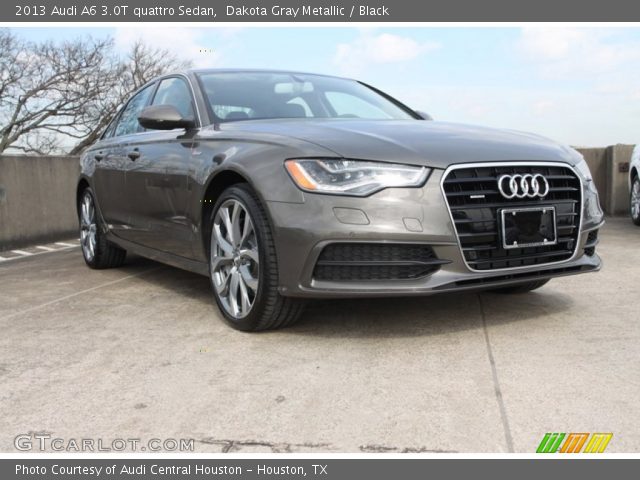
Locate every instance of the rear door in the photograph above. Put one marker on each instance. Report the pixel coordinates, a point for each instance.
(110, 174)
(111, 162)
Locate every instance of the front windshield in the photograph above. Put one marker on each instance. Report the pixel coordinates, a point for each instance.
(258, 95)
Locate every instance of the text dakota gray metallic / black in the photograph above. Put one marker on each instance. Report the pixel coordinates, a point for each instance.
(282, 186)
(279, 11)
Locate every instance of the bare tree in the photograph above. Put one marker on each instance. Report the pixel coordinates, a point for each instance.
(46, 90)
(54, 92)
(142, 64)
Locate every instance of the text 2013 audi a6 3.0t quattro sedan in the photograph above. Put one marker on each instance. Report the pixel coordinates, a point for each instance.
(282, 186)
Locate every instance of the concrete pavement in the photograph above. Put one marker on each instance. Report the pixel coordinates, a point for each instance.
(140, 352)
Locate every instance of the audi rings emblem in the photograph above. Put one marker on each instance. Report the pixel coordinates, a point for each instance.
(523, 186)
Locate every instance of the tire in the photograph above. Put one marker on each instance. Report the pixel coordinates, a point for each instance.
(522, 288)
(243, 266)
(634, 201)
(97, 252)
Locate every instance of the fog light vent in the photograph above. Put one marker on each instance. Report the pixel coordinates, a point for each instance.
(375, 261)
(592, 241)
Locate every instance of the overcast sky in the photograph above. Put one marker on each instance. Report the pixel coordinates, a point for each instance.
(577, 85)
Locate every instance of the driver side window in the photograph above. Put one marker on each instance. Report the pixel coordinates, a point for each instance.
(175, 92)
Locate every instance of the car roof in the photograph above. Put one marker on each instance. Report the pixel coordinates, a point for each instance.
(257, 70)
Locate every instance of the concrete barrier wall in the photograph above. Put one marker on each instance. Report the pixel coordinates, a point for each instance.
(606, 165)
(37, 194)
(37, 199)
(618, 198)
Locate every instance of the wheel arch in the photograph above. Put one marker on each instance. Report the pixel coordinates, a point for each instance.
(217, 184)
(83, 183)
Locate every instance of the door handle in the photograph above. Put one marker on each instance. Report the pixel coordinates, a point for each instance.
(98, 156)
(134, 154)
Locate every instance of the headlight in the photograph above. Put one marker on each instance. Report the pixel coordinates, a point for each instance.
(592, 211)
(353, 177)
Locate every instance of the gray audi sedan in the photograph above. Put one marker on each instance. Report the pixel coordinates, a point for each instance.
(284, 186)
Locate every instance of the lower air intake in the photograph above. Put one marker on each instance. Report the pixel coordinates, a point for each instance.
(342, 262)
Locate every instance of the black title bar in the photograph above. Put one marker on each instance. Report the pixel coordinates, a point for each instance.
(315, 469)
(209, 11)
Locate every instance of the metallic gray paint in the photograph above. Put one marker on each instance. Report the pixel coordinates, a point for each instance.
(430, 143)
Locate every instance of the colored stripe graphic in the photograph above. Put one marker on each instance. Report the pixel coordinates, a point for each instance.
(574, 443)
(543, 443)
(598, 442)
(550, 443)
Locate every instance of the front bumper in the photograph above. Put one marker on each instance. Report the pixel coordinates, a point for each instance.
(399, 215)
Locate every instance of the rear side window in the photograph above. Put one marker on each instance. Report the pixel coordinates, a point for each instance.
(128, 122)
(175, 92)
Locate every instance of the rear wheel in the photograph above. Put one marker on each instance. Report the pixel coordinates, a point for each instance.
(243, 265)
(522, 287)
(634, 201)
(97, 251)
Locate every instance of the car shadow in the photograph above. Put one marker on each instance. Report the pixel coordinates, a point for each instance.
(427, 316)
(172, 279)
(382, 317)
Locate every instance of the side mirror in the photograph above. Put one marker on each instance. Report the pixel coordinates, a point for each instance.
(164, 117)
(423, 115)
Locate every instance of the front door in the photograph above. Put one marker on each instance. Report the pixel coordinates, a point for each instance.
(156, 177)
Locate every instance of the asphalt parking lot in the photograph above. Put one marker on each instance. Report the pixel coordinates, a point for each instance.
(140, 352)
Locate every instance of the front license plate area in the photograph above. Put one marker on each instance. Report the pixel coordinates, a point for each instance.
(528, 227)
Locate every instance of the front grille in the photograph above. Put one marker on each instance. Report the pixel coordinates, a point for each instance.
(475, 204)
(375, 261)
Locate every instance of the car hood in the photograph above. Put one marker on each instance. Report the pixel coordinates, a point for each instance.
(434, 144)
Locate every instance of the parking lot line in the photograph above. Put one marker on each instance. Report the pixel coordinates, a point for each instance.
(38, 250)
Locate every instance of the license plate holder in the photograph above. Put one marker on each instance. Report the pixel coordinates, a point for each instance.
(528, 227)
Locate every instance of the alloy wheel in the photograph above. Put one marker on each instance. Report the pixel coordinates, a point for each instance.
(88, 227)
(235, 260)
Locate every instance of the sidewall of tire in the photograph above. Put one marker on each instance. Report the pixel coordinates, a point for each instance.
(93, 263)
(252, 321)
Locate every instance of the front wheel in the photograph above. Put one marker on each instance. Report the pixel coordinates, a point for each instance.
(634, 201)
(243, 265)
